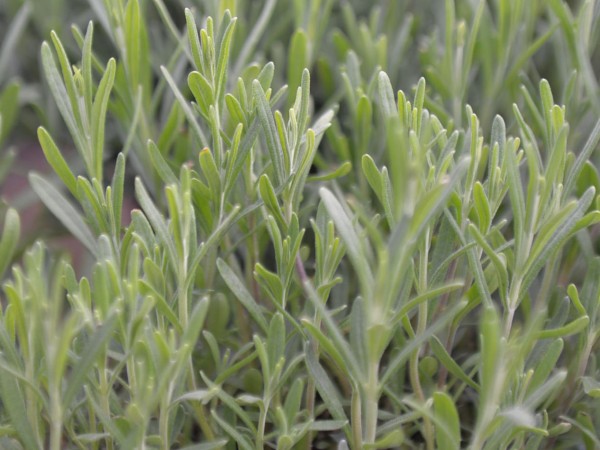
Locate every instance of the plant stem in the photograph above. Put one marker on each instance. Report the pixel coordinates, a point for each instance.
(104, 391)
(203, 423)
(262, 421)
(163, 420)
(311, 390)
(421, 327)
(512, 304)
(311, 393)
(56, 420)
(371, 402)
(356, 412)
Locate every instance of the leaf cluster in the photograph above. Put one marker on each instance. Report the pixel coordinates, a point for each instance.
(314, 258)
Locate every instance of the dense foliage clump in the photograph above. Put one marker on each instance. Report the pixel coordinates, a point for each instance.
(272, 246)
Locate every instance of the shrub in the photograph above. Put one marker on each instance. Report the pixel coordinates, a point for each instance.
(366, 269)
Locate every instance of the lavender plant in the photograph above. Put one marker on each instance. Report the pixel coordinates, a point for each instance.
(314, 258)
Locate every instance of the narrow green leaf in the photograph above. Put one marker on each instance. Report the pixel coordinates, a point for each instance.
(89, 355)
(418, 104)
(435, 200)
(133, 36)
(499, 135)
(447, 430)
(361, 334)
(160, 164)
(235, 368)
(444, 357)
(372, 175)
(325, 342)
(591, 387)
(586, 152)
(255, 34)
(68, 79)
(265, 76)
(61, 97)
(341, 171)
(327, 425)
(350, 361)
(304, 101)
(322, 123)
(202, 91)
(554, 233)
(161, 304)
(211, 172)
(482, 207)
(326, 388)
(223, 60)
(193, 39)
(267, 193)
(242, 294)
(498, 262)
(143, 230)
(86, 68)
(12, 36)
(574, 296)
(283, 137)
(431, 293)
(386, 96)
(587, 177)
(546, 364)
(270, 131)
(491, 353)
(293, 400)
(214, 240)
(263, 357)
(271, 282)
(92, 205)
(235, 110)
(9, 105)
(63, 210)
(98, 119)
(547, 103)
(157, 220)
(242, 442)
(195, 323)
(246, 145)
(189, 113)
(400, 358)
(10, 239)
(573, 327)
(550, 388)
(276, 340)
(297, 61)
(353, 243)
(516, 195)
(14, 405)
(118, 186)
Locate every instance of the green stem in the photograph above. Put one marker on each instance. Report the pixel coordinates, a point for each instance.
(417, 388)
(512, 304)
(356, 412)
(262, 422)
(56, 420)
(182, 300)
(371, 402)
(104, 391)
(311, 393)
(203, 423)
(163, 422)
(311, 390)
(421, 327)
